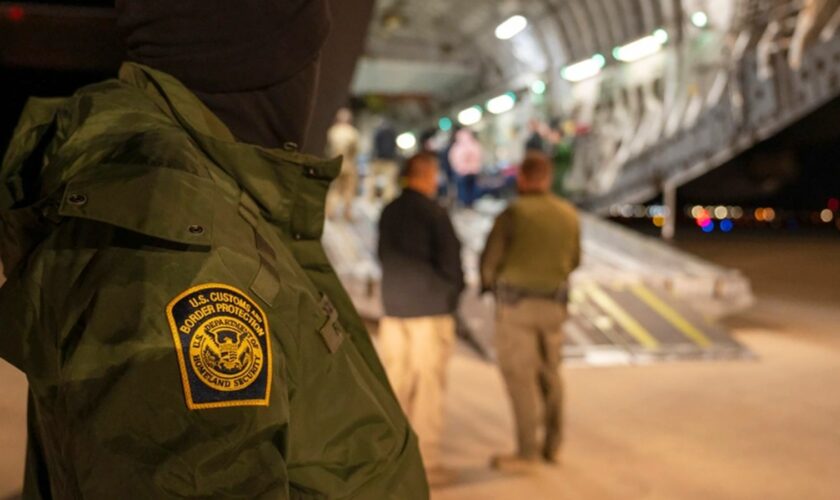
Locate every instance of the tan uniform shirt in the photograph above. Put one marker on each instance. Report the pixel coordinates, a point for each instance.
(534, 245)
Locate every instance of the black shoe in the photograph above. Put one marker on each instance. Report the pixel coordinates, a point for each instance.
(551, 457)
(514, 463)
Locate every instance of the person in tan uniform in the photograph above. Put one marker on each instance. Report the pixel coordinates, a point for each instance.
(533, 247)
(343, 140)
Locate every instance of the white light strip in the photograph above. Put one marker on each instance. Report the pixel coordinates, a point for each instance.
(470, 116)
(584, 69)
(641, 48)
(511, 27)
(501, 104)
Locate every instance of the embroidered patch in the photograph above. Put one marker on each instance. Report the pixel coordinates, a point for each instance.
(222, 341)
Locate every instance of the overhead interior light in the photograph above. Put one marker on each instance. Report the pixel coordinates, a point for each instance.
(700, 19)
(661, 36)
(538, 87)
(584, 69)
(511, 27)
(406, 141)
(502, 103)
(641, 48)
(470, 116)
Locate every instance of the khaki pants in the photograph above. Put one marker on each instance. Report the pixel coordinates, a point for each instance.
(415, 352)
(529, 340)
(388, 170)
(343, 191)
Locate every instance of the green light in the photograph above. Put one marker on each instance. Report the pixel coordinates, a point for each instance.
(445, 124)
(538, 87)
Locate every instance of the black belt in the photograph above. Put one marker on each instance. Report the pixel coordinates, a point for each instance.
(511, 295)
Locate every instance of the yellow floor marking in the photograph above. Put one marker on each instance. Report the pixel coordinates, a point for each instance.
(671, 316)
(621, 316)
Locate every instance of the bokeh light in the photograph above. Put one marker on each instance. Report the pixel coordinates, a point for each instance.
(659, 220)
(700, 19)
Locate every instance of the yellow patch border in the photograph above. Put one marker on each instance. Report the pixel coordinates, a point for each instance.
(173, 327)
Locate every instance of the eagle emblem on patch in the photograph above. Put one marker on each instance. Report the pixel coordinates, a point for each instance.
(223, 345)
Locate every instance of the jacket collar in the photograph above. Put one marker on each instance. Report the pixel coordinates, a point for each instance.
(280, 181)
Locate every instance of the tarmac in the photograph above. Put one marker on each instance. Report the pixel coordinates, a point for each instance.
(752, 429)
(765, 428)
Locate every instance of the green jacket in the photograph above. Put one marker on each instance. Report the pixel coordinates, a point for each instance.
(534, 245)
(182, 330)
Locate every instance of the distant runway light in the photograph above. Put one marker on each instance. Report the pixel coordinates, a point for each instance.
(406, 141)
(721, 212)
(659, 220)
(833, 204)
(696, 211)
(641, 48)
(511, 27)
(769, 215)
(501, 104)
(708, 228)
(700, 19)
(470, 116)
(16, 13)
(826, 216)
(726, 225)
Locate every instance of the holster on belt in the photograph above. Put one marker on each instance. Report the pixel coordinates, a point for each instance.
(511, 295)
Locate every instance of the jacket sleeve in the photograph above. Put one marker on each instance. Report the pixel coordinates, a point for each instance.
(576, 241)
(448, 253)
(121, 410)
(495, 250)
(383, 244)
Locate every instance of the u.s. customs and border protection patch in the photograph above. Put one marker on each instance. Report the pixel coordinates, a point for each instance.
(223, 344)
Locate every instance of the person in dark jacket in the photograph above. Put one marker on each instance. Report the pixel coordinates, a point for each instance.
(381, 179)
(535, 141)
(421, 282)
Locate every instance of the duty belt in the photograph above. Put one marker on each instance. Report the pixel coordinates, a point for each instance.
(511, 295)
